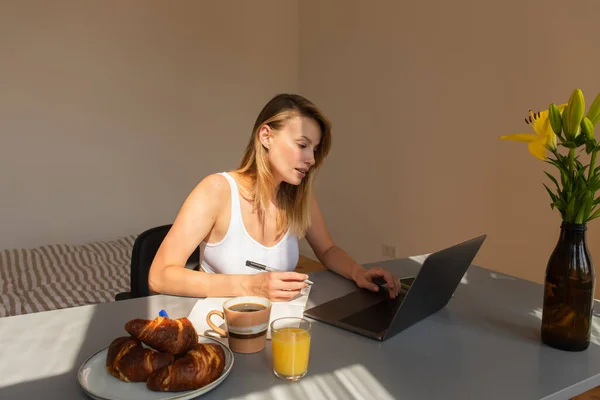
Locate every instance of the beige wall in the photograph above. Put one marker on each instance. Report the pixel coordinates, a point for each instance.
(419, 93)
(111, 112)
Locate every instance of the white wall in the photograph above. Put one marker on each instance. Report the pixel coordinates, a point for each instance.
(111, 112)
(418, 93)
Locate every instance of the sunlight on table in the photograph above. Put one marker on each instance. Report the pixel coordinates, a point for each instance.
(20, 346)
(352, 382)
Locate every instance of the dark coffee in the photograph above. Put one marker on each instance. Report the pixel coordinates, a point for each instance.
(247, 307)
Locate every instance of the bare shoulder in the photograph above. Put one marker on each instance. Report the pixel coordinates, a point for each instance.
(212, 192)
(215, 186)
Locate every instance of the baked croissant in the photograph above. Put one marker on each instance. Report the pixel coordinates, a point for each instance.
(203, 364)
(129, 361)
(174, 336)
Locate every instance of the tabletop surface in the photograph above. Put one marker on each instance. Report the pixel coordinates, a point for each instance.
(484, 344)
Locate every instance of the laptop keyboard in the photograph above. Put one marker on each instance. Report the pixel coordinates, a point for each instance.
(377, 317)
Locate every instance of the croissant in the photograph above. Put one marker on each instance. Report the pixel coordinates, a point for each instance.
(174, 336)
(203, 364)
(129, 361)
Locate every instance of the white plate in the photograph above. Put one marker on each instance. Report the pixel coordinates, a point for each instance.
(99, 384)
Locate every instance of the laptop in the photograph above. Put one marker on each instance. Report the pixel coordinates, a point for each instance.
(375, 315)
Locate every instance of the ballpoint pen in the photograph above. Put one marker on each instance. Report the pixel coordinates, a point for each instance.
(262, 267)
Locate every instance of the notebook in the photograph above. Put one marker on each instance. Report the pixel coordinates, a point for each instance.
(292, 308)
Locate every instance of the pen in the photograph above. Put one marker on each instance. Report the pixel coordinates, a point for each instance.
(262, 267)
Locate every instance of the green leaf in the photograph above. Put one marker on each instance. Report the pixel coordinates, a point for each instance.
(570, 144)
(563, 159)
(579, 177)
(559, 165)
(564, 179)
(564, 197)
(580, 140)
(553, 179)
(586, 208)
(594, 183)
(589, 147)
(589, 205)
(597, 201)
(560, 205)
(552, 195)
(595, 215)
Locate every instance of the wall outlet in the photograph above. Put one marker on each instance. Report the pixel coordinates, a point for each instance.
(388, 251)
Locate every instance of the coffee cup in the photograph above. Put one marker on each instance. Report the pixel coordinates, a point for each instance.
(247, 321)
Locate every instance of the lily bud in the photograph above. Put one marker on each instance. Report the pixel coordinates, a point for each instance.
(551, 142)
(574, 114)
(555, 119)
(594, 112)
(564, 123)
(587, 128)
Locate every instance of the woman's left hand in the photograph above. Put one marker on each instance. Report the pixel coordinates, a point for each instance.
(364, 279)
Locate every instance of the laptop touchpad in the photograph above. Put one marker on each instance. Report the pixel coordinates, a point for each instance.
(349, 304)
(377, 317)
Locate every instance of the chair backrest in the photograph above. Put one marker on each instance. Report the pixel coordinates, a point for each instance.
(144, 249)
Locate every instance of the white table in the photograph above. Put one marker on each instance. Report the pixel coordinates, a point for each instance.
(484, 345)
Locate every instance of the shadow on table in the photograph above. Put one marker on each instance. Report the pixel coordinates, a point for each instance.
(47, 388)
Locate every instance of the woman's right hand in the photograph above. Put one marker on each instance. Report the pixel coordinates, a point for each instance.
(278, 286)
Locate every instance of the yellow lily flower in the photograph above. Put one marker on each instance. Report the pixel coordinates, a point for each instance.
(544, 137)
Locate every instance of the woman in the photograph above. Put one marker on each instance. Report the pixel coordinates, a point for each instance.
(258, 212)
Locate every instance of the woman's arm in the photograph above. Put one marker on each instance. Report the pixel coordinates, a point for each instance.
(338, 261)
(194, 222)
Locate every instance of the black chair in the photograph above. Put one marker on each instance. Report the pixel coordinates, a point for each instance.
(144, 249)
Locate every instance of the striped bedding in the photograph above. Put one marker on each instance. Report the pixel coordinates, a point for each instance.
(59, 276)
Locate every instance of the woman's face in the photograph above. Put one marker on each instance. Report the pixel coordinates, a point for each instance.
(291, 150)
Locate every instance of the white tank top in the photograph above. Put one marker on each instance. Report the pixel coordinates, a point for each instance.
(229, 255)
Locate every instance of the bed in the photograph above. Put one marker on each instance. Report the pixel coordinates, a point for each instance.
(58, 276)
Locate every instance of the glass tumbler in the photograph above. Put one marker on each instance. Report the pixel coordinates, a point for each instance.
(290, 341)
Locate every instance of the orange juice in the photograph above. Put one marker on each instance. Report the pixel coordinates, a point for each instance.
(291, 348)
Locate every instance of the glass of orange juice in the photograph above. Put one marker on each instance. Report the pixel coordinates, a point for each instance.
(290, 342)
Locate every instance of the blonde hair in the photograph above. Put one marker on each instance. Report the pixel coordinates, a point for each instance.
(293, 200)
